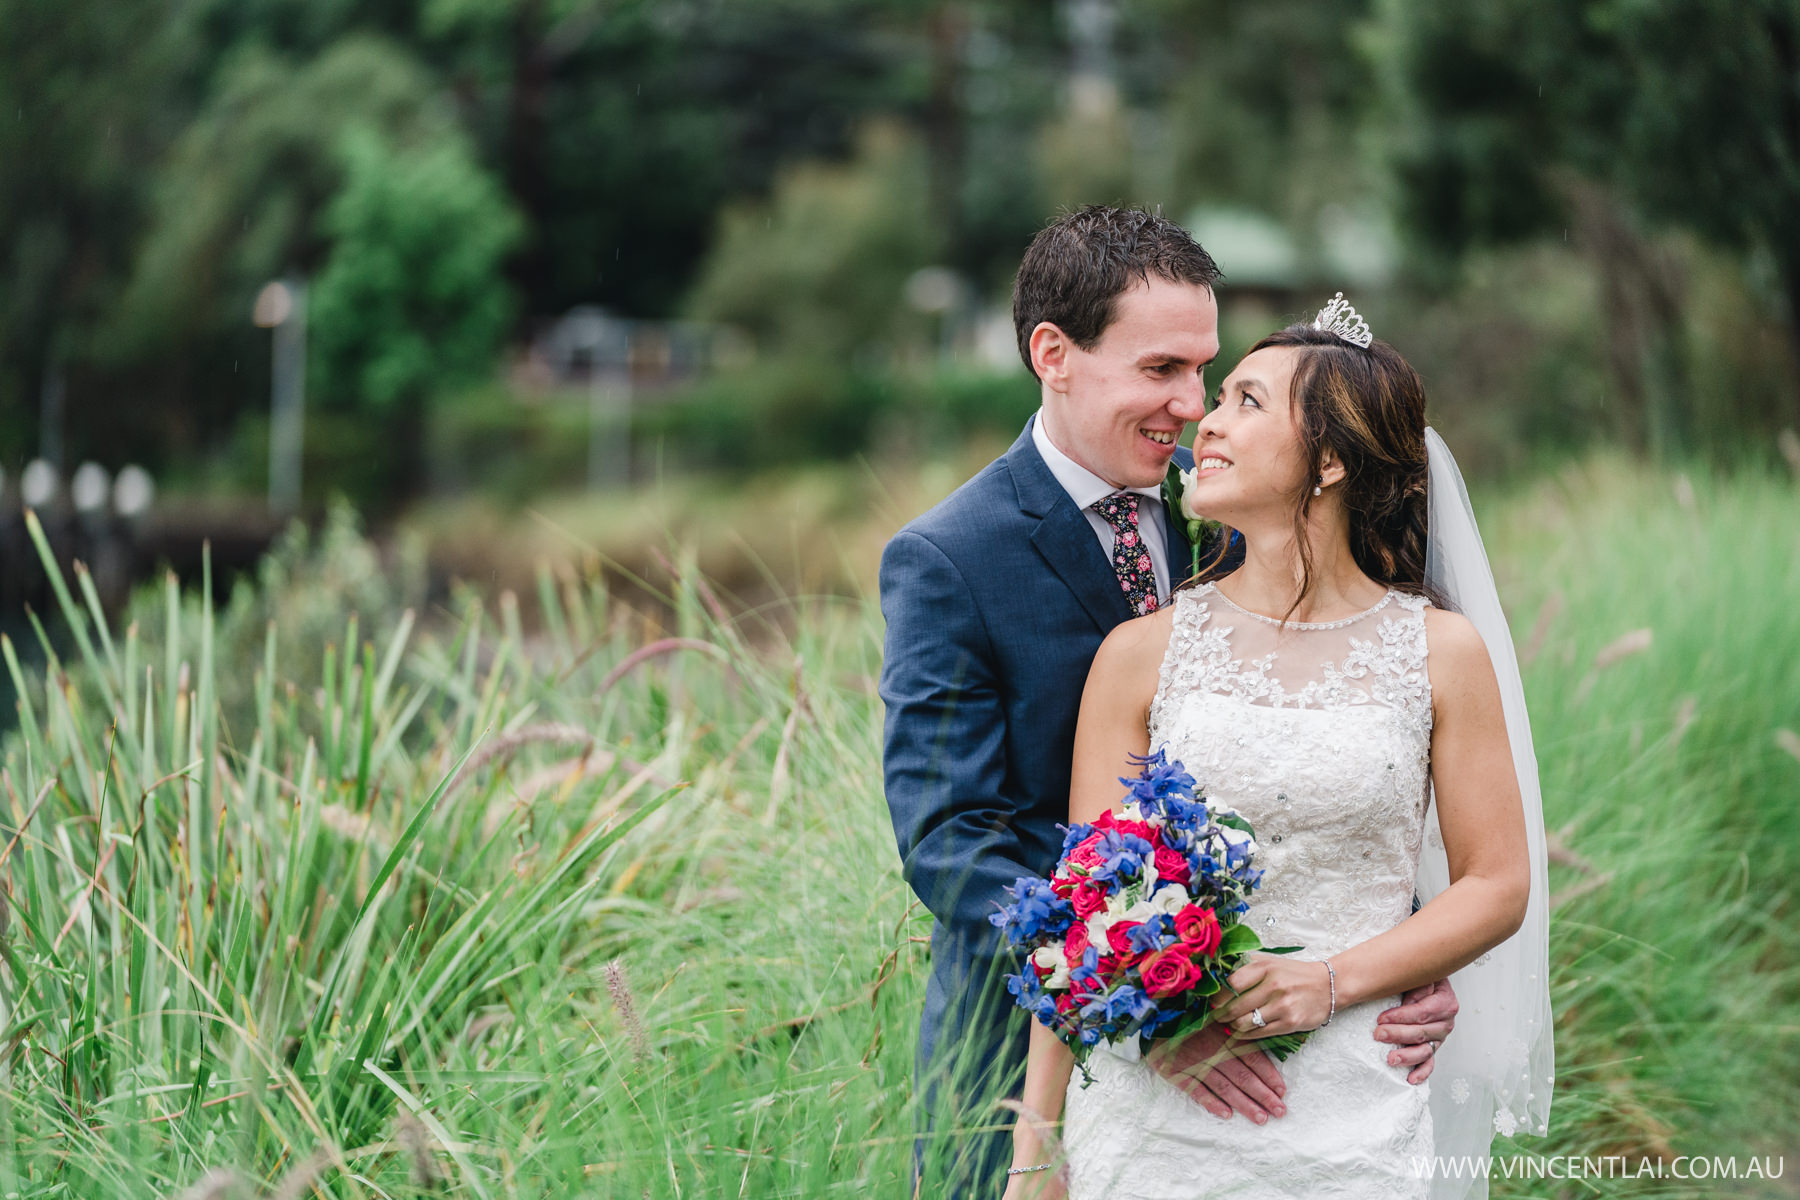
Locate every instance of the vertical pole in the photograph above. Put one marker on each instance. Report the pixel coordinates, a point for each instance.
(609, 426)
(50, 415)
(287, 404)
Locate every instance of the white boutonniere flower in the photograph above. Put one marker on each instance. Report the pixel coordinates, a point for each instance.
(1175, 488)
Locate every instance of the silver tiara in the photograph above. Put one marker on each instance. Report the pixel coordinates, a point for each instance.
(1338, 317)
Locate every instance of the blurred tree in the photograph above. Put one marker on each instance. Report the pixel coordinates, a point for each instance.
(238, 199)
(89, 97)
(817, 269)
(410, 291)
(621, 128)
(411, 296)
(236, 202)
(1603, 115)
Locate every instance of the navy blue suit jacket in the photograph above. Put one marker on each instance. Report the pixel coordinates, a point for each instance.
(996, 601)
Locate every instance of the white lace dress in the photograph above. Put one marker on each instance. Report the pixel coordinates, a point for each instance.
(1319, 735)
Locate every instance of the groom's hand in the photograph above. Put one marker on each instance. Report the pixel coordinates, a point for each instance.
(1223, 1074)
(1423, 1018)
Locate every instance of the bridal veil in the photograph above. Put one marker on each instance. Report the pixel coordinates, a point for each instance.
(1495, 1072)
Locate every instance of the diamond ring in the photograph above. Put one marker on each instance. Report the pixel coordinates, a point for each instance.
(1256, 1018)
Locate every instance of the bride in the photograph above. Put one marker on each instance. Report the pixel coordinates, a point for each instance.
(1352, 691)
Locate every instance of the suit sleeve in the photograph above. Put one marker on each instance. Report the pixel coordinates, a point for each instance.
(944, 748)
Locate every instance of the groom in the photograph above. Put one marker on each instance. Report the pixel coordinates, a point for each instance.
(996, 601)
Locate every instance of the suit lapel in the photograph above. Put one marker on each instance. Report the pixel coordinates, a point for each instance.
(1063, 536)
(1181, 551)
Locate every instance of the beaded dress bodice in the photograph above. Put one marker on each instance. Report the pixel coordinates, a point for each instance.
(1319, 734)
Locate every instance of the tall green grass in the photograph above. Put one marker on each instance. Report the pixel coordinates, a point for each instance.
(439, 907)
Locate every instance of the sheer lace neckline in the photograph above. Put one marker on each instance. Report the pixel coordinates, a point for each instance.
(1338, 624)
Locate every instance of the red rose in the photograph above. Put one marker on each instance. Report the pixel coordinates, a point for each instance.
(1087, 854)
(1168, 972)
(1075, 943)
(1109, 968)
(1198, 929)
(1064, 885)
(1171, 865)
(1119, 937)
(1088, 899)
(1043, 972)
(1066, 1003)
(1141, 829)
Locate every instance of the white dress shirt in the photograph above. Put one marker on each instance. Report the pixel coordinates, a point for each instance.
(1086, 488)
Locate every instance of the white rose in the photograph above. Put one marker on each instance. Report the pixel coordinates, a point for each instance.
(1054, 958)
(1170, 898)
(1187, 495)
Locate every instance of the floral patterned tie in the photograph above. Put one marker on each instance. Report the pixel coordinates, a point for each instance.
(1130, 558)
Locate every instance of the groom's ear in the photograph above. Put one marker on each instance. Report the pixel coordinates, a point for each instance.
(1050, 349)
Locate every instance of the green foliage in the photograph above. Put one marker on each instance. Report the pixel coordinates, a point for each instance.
(85, 89)
(411, 293)
(817, 270)
(239, 194)
(1613, 117)
(786, 411)
(324, 945)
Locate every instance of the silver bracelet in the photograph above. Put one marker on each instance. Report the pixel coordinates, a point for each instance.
(1331, 975)
(1029, 1170)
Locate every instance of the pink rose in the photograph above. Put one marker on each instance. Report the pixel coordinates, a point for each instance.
(1198, 929)
(1141, 829)
(1168, 972)
(1075, 943)
(1171, 865)
(1119, 936)
(1088, 899)
(1087, 854)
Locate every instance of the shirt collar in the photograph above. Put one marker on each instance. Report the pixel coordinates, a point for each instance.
(1084, 487)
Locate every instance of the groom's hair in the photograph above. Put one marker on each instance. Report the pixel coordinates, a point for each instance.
(1075, 269)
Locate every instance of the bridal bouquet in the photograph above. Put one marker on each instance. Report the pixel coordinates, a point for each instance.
(1139, 925)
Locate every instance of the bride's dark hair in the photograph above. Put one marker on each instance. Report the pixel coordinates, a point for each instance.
(1368, 407)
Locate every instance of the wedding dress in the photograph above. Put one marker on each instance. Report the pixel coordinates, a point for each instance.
(1319, 735)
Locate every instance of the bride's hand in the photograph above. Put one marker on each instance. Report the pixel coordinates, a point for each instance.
(1289, 995)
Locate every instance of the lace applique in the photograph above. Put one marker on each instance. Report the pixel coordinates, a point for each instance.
(1320, 735)
(1388, 669)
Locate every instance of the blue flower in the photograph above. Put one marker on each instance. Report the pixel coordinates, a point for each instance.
(1086, 973)
(1123, 856)
(1128, 1003)
(1190, 816)
(1073, 836)
(1035, 911)
(1158, 780)
(1025, 987)
(1154, 934)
